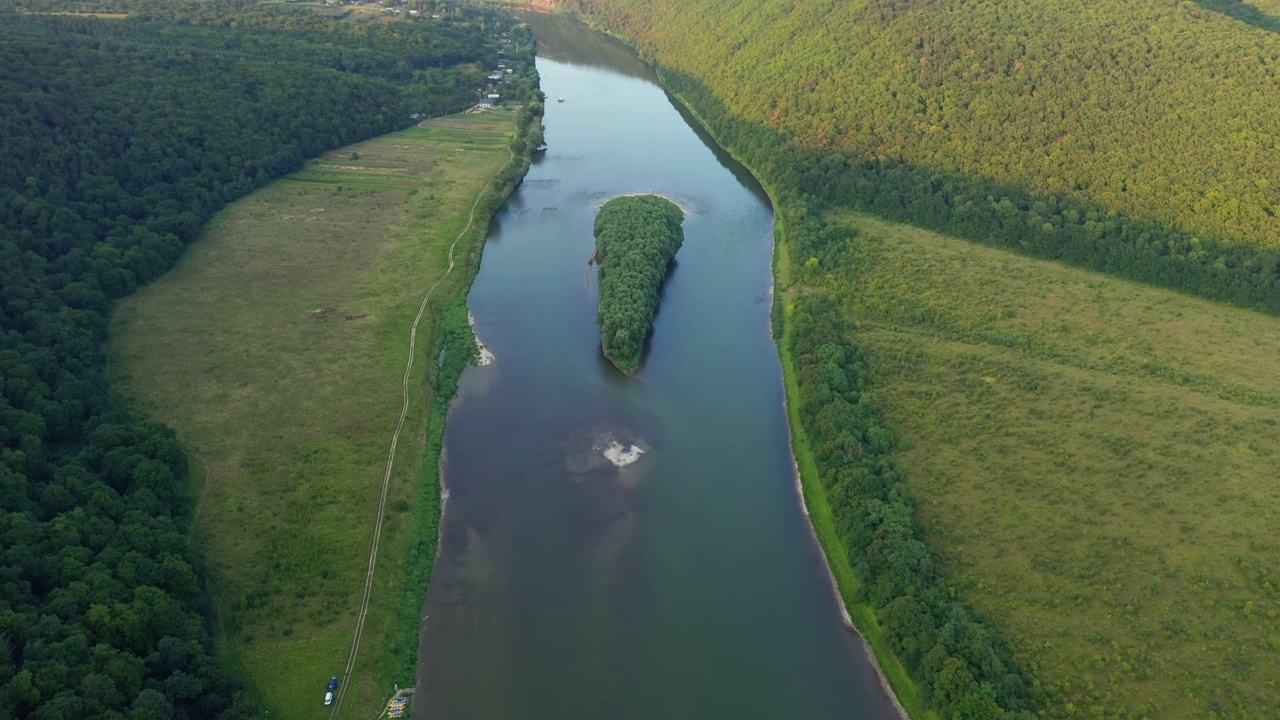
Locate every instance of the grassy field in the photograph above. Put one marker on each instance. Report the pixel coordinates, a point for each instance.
(1095, 462)
(275, 349)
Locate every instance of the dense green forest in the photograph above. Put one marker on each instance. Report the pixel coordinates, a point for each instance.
(1036, 126)
(121, 139)
(636, 239)
(1158, 110)
(1134, 138)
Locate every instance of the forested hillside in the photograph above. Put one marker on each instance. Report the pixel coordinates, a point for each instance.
(1155, 109)
(120, 139)
(1133, 138)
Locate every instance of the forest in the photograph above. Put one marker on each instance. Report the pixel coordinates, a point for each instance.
(1132, 138)
(636, 239)
(121, 139)
(1213, 236)
(1154, 110)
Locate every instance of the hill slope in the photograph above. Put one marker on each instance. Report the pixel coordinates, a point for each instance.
(1155, 110)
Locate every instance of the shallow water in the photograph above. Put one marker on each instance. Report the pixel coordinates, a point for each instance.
(685, 583)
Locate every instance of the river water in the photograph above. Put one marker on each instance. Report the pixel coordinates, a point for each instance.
(685, 584)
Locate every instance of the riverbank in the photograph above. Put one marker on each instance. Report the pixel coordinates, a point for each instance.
(906, 694)
(275, 350)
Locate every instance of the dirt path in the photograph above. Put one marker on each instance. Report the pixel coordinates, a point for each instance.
(391, 457)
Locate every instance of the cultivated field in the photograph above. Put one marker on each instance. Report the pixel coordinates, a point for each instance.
(1096, 463)
(275, 349)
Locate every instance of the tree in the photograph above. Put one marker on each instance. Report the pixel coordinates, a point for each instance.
(636, 239)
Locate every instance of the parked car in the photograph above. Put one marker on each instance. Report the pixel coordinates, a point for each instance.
(333, 687)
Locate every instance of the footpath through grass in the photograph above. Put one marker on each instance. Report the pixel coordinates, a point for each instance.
(1096, 463)
(275, 349)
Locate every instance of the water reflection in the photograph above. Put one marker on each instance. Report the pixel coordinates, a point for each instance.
(573, 43)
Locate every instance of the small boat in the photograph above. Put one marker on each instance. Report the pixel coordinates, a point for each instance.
(560, 100)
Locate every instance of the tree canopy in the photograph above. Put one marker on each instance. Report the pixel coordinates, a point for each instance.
(636, 238)
(1154, 109)
(1056, 136)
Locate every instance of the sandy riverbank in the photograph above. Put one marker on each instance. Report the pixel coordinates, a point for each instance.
(483, 356)
(683, 203)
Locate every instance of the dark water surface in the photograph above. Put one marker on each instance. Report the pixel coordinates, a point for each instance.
(685, 584)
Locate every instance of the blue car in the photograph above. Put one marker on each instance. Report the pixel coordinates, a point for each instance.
(333, 687)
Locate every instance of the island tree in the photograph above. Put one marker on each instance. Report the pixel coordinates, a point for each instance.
(636, 239)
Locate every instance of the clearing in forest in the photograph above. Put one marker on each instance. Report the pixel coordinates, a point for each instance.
(1095, 463)
(275, 349)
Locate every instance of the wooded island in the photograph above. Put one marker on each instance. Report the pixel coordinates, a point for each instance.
(636, 238)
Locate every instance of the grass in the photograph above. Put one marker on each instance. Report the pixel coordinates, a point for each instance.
(275, 350)
(1095, 462)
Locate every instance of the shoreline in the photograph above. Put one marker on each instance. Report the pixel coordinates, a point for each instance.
(678, 202)
(779, 247)
(863, 643)
(484, 356)
(435, 441)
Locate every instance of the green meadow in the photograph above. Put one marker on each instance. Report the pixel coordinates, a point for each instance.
(275, 350)
(1095, 463)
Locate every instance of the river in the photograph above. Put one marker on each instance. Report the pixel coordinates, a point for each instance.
(685, 584)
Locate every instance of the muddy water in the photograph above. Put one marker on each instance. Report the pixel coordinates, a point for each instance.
(628, 547)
